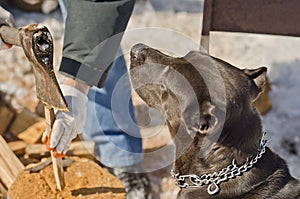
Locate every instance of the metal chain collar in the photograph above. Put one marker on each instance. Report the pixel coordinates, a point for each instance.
(213, 180)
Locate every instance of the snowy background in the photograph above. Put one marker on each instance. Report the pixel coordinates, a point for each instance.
(282, 57)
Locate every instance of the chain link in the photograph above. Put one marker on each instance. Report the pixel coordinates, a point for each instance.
(213, 180)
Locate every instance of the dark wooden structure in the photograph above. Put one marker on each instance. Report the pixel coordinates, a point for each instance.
(276, 17)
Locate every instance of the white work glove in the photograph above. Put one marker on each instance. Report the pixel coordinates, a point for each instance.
(5, 19)
(68, 124)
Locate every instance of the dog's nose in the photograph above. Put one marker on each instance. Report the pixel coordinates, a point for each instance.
(137, 53)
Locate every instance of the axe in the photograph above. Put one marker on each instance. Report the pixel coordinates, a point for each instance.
(37, 44)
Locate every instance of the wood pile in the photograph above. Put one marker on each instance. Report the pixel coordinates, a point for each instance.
(20, 144)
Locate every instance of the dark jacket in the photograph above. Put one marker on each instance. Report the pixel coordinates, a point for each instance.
(93, 33)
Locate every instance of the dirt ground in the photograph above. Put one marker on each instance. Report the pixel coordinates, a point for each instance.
(84, 179)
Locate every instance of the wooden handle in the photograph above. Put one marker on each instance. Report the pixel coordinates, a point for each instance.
(57, 162)
(10, 35)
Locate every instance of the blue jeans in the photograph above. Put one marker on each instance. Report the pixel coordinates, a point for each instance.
(110, 120)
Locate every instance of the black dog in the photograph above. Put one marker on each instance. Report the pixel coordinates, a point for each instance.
(220, 149)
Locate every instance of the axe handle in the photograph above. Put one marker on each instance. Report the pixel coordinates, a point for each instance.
(10, 35)
(57, 162)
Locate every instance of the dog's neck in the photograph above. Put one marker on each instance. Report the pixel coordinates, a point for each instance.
(213, 180)
(238, 140)
(204, 156)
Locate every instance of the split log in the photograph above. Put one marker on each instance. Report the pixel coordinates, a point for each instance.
(18, 147)
(6, 116)
(28, 126)
(44, 163)
(33, 134)
(37, 151)
(80, 149)
(7, 113)
(3, 190)
(23, 120)
(10, 165)
(7, 175)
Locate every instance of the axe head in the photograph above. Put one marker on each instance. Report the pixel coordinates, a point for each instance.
(37, 44)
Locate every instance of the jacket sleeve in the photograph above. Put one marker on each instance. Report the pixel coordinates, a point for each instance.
(93, 32)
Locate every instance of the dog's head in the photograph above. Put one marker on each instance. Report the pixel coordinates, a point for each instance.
(203, 93)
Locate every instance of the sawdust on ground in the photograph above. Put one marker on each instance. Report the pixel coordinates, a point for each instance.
(84, 179)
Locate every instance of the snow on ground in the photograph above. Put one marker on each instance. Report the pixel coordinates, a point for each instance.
(283, 121)
(281, 55)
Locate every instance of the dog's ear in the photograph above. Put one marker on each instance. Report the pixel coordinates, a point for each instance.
(208, 120)
(259, 78)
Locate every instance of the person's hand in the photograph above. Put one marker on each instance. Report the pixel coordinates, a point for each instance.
(68, 124)
(5, 19)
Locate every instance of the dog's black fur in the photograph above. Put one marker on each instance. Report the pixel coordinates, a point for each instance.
(209, 112)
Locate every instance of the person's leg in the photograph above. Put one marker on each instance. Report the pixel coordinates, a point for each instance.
(111, 124)
(118, 142)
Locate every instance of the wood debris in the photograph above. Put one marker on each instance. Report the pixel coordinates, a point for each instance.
(20, 146)
(10, 165)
